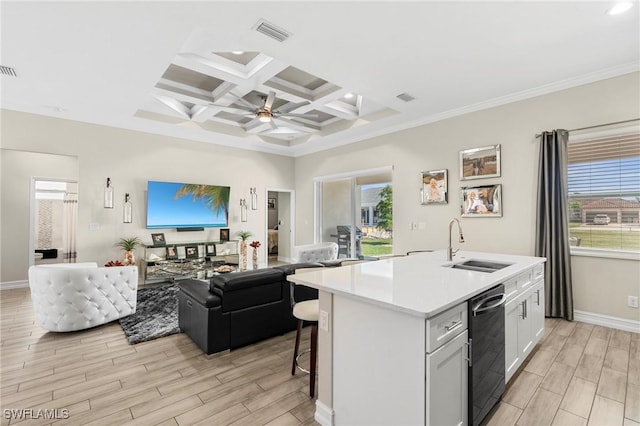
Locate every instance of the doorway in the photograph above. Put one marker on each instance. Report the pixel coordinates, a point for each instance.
(54, 220)
(280, 207)
(360, 201)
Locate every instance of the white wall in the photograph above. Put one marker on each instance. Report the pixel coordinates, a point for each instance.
(130, 159)
(437, 145)
(18, 167)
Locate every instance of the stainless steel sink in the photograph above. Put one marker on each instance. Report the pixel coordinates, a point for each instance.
(479, 265)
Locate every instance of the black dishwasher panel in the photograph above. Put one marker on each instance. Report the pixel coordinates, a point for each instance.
(486, 335)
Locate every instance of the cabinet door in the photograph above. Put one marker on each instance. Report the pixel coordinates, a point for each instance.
(525, 325)
(513, 316)
(447, 372)
(537, 310)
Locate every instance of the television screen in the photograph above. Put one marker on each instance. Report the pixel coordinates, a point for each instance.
(186, 205)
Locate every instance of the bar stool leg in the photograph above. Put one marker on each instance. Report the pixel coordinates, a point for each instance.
(314, 354)
(295, 349)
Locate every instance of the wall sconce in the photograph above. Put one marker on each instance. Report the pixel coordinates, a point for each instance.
(108, 195)
(254, 199)
(127, 209)
(243, 210)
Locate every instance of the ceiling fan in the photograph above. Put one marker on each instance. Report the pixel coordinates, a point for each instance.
(267, 114)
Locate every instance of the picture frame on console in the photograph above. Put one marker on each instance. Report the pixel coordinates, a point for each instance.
(158, 239)
(171, 252)
(210, 249)
(191, 252)
(479, 163)
(224, 234)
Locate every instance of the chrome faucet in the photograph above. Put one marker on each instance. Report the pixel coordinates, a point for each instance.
(450, 251)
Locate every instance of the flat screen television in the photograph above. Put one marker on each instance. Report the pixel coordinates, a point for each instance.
(186, 205)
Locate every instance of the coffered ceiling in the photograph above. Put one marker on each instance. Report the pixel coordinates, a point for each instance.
(340, 72)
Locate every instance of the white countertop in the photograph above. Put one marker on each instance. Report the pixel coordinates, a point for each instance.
(417, 284)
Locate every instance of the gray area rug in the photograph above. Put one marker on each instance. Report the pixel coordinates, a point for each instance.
(156, 314)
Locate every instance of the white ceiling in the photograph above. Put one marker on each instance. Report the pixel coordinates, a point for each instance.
(105, 62)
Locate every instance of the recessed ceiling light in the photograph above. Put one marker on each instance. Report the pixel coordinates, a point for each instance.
(619, 8)
(237, 52)
(348, 95)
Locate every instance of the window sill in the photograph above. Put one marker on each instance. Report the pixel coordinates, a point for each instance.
(611, 254)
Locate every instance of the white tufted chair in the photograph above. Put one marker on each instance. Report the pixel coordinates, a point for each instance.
(312, 253)
(75, 296)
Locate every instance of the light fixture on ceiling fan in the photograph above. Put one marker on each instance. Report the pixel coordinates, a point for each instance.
(266, 114)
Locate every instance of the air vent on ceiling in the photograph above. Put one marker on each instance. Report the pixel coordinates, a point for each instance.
(8, 71)
(273, 31)
(405, 97)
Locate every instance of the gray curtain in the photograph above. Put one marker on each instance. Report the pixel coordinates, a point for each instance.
(552, 224)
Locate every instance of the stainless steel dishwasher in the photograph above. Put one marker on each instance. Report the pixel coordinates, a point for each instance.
(486, 344)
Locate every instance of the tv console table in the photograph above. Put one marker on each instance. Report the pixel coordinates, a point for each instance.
(194, 259)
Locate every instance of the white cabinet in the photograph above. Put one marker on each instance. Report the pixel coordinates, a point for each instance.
(392, 368)
(524, 318)
(447, 370)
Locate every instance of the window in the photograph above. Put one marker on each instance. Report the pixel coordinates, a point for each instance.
(604, 192)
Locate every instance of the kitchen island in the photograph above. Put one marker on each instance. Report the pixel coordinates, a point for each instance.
(393, 340)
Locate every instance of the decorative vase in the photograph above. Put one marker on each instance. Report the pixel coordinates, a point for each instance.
(254, 258)
(129, 258)
(243, 255)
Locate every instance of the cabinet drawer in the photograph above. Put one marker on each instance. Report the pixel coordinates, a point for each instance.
(524, 280)
(445, 326)
(538, 272)
(511, 288)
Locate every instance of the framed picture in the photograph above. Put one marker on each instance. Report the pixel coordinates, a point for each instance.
(158, 239)
(172, 252)
(224, 234)
(191, 252)
(481, 201)
(478, 163)
(210, 249)
(434, 187)
(271, 203)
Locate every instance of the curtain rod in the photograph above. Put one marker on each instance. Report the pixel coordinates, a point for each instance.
(595, 127)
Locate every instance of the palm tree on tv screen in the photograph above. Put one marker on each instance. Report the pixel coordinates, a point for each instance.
(215, 197)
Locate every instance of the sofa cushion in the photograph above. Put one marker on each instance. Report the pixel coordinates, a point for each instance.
(291, 268)
(246, 279)
(199, 291)
(246, 289)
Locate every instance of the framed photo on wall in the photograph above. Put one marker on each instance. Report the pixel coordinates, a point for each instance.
(224, 234)
(434, 187)
(481, 201)
(478, 163)
(271, 203)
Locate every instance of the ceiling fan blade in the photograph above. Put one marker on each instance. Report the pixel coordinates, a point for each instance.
(246, 104)
(291, 107)
(270, 98)
(273, 124)
(307, 115)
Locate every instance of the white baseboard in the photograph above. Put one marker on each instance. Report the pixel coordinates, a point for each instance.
(607, 321)
(285, 259)
(7, 285)
(324, 414)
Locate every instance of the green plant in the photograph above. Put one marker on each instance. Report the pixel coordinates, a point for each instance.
(385, 209)
(128, 244)
(244, 235)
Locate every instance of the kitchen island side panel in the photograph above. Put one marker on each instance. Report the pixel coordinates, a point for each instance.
(378, 365)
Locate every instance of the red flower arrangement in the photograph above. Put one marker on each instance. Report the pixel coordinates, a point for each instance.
(114, 263)
(255, 244)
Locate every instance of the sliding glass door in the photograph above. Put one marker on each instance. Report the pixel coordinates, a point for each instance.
(351, 213)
